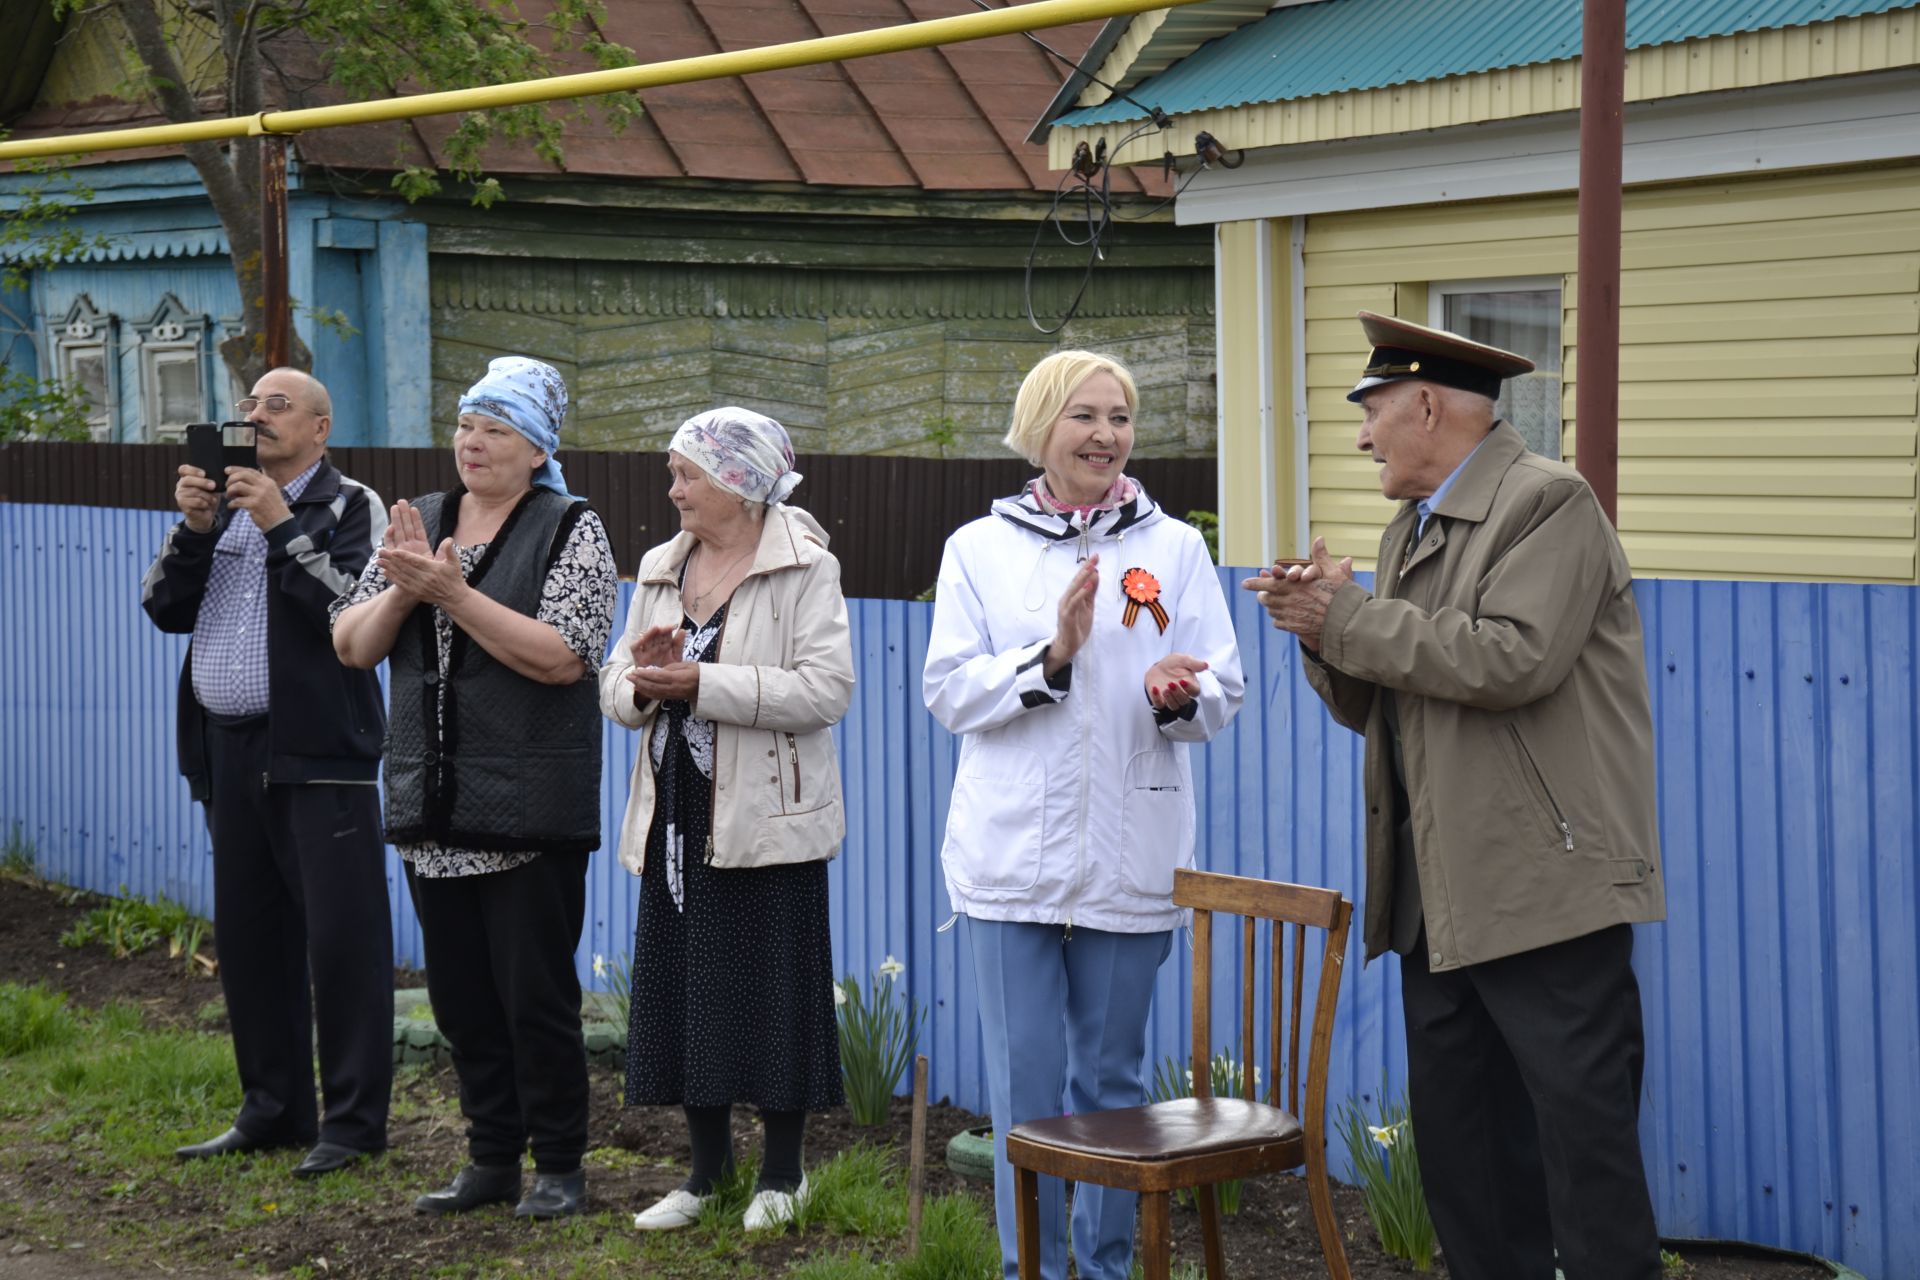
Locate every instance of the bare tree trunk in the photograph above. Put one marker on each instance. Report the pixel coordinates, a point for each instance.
(230, 172)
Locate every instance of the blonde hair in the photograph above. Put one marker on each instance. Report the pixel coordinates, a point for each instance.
(1044, 395)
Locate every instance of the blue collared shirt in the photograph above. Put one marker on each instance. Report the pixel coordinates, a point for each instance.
(230, 633)
(1432, 500)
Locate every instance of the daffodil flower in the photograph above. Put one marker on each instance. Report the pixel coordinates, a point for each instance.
(892, 968)
(1384, 1135)
(599, 965)
(839, 995)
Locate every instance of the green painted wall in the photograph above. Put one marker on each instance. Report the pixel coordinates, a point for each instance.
(889, 361)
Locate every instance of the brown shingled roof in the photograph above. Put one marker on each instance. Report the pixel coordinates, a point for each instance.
(950, 119)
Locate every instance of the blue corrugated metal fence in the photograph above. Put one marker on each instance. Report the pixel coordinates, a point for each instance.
(1782, 999)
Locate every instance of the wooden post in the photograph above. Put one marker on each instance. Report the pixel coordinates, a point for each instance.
(1596, 411)
(275, 302)
(917, 1154)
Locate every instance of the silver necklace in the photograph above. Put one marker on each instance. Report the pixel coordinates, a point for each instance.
(700, 598)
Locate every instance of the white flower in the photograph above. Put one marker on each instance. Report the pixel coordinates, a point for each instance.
(1385, 1136)
(599, 965)
(839, 995)
(892, 968)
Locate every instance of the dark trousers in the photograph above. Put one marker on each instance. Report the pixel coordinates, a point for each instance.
(299, 893)
(505, 994)
(1524, 1076)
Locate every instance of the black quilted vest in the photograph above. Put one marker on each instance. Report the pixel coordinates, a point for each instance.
(513, 764)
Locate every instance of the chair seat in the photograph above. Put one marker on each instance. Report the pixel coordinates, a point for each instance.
(1179, 1128)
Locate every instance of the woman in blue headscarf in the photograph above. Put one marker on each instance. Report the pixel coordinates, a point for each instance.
(492, 603)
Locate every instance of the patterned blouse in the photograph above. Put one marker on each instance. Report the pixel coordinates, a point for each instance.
(577, 600)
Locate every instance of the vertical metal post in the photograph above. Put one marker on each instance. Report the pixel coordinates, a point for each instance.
(1596, 412)
(275, 302)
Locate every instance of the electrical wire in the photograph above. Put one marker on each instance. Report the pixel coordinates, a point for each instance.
(1090, 180)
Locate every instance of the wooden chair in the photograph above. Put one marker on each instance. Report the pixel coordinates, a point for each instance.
(1198, 1141)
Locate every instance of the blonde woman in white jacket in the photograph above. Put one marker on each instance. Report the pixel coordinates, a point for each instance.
(1080, 642)
(735, 664)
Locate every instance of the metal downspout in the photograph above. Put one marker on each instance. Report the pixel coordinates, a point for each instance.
(1596, 413)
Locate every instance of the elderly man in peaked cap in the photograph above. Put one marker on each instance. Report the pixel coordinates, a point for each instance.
(1497, 672)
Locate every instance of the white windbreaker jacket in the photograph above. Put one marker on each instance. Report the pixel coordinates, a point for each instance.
(1073, 805)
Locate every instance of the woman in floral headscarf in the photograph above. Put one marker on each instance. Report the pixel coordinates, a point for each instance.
(735, 663)
(493, 602)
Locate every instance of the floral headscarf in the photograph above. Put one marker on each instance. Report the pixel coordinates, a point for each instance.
(745, 452)
(529, 396)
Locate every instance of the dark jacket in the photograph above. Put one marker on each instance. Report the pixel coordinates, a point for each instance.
(1514, 645)
(325, 722)
(502, 763)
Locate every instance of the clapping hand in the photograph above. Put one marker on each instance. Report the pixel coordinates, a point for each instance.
(676, 681)
(658, 646)
(1297, 598)
(429, 577)
(658, 672)
(406, 531)
(1174, 681)
(1075, 616)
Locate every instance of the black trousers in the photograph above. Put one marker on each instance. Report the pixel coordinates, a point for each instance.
(505, 994)
(299, 893)
(1524, 1075)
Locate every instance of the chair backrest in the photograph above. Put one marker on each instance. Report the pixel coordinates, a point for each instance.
(1303, 907)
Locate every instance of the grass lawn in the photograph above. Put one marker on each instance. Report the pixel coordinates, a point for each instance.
(92, 1104)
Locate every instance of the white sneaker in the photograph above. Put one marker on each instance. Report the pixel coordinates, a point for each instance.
(769, 1209)
(678, 1208)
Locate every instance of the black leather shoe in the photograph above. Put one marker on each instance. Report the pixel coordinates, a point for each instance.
(554, 1195)
(326, 1157)
(473, 1186)
(232, 1142)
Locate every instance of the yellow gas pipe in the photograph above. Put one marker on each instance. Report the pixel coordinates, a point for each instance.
(713, 66)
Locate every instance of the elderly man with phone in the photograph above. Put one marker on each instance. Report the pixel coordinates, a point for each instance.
(282, 745)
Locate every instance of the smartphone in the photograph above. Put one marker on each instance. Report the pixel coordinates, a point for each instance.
(215, 446)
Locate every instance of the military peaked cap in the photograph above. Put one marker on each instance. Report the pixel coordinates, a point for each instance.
(1404, 350)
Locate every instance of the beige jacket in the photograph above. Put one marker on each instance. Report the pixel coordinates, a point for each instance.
(1514, 642)
(783, 678)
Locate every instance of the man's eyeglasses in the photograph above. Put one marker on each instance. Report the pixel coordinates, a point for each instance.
(273, 404)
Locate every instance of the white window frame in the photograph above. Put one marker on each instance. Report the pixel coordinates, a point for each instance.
(87, 328)
(1438, 291)
(171, 333)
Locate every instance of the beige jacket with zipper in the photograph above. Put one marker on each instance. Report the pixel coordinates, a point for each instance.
(783, 678)
(1512, 639)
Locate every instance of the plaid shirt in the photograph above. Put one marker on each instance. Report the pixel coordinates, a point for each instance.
(230, 634)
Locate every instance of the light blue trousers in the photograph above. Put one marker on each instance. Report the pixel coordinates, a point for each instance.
(1064, 1030)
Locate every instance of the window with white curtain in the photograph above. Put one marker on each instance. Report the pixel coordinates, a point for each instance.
(84, 348)
(1521, 316)
(172, 370)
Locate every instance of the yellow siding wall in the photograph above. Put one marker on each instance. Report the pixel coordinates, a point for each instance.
(1258, 486)
(1241, 496)
(1770, 333)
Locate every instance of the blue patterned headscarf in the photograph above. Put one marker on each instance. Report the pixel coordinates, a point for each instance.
(529, 396)
(744, 452)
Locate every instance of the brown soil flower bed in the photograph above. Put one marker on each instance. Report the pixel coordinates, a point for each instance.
(1271, 1238)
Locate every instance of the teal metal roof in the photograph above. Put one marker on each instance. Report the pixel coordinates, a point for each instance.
(1339, 45)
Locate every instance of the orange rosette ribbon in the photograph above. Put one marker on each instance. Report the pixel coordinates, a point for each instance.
(1142, 590)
